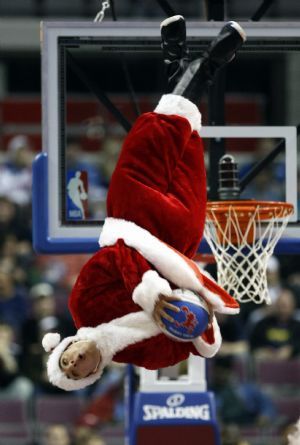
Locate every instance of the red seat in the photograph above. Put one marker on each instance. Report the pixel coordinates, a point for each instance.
(288, 408)
(58, 409)
(278, 372)
(15, 422)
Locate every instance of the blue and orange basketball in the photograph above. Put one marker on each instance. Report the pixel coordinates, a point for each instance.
(192, 319)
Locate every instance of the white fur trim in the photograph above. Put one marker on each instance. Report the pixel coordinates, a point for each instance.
(119, 333)
(173, 104)
(147, 292)
(165, 260)
(169, 20)
(109, 338)
(50, 341)
(209, 350)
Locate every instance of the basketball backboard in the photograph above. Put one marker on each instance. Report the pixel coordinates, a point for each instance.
(81, 138)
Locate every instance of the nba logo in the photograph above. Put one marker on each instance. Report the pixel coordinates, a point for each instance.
(77, 195)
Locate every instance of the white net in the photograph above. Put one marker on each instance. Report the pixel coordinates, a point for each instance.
(242, 239)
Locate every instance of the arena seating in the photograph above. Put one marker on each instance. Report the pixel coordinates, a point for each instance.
(15, 422)
(277, 372)
(288, 408)
(55, 409)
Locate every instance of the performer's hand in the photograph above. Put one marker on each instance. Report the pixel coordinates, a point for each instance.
(164, 302)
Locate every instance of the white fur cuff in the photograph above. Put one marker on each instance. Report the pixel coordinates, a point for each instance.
(180, 106)
(147, 292)
(206, 349)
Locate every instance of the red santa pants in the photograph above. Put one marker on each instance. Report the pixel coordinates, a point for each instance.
(160, 181)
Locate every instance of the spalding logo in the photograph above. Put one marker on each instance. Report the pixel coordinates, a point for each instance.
(174, 410)
(175, 400)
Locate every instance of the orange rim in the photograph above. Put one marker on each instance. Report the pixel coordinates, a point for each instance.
(244, 209)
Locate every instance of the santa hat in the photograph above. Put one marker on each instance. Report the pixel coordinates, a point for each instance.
(52, 343)
(109, 338)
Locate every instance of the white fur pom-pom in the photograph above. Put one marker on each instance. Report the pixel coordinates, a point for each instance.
(50, 341)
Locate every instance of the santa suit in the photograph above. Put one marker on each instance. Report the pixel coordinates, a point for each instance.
(156, 213)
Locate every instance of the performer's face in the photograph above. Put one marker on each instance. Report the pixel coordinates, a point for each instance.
(80, 359)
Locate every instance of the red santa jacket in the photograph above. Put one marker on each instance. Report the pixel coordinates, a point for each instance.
(127, 274)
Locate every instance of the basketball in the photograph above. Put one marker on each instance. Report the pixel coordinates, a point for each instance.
(192, 319)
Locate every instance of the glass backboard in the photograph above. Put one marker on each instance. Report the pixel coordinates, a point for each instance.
(87, 68)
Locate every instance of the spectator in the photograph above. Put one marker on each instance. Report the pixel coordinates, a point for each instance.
(233, 335)
(43, 319)
(95, 439)
(13, 303)
(87, 436)
(60, 271)
(15, 174)
(12, 383)
(13, 221)
(231, 435)
(82, 433)
(239, 403)
(277, 334)
(293, 282)
(57, 435)
(17, 258)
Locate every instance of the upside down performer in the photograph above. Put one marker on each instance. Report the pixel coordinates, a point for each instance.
(156, 213)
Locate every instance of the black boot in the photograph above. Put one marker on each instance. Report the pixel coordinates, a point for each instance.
(201, 72)
(222, 50)
(175, 52)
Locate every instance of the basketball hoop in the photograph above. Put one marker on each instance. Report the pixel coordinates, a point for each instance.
(242, 236)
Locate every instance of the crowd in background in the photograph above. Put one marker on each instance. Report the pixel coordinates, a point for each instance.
(33, 300)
